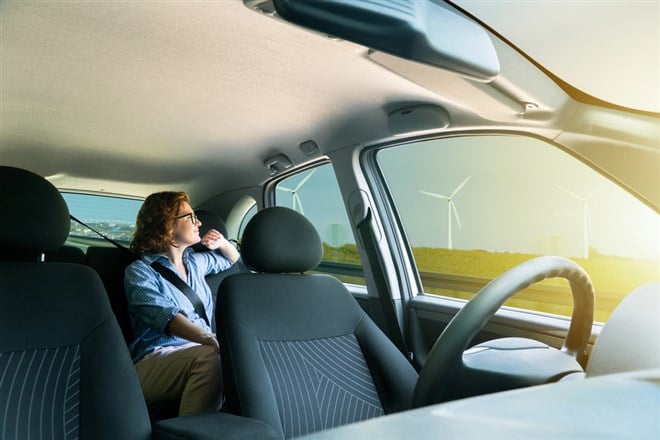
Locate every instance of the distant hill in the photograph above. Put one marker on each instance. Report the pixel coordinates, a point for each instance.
(613, 277)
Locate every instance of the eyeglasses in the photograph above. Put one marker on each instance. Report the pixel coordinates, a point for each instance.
(193, 217)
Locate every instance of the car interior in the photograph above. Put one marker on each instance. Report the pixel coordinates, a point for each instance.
(446, 229)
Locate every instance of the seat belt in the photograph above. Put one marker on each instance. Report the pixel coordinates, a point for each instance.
(387, 304)
(177, 282)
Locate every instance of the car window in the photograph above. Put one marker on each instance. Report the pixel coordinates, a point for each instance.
(315, 193)
(111, 216)
(245, 220)
(473, 207)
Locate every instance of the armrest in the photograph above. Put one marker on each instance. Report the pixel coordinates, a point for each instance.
(212, 426)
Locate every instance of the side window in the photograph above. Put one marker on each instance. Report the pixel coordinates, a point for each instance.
(474, 207)
(315, 194)
(246, 219)
(112, 216)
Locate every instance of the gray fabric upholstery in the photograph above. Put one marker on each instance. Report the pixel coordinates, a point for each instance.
(35, 216)
(287, 338)
(67, 254)
(110, 263)
(25, 374)
(54, 306)
(320, 383)
(212, 426)
(279, 240)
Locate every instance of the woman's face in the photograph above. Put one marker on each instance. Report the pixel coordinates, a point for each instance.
(186, 226)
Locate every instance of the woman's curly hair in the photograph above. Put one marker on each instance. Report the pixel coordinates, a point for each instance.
(154, 227)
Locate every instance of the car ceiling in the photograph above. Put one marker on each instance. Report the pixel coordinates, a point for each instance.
(134, 97)
(130, 97)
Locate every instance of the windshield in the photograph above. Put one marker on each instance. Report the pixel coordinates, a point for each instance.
(607, 49)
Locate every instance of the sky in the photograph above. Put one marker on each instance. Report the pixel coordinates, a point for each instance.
(93, 208)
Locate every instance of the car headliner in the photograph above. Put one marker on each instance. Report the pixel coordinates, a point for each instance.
(166, 93)
(132, 97)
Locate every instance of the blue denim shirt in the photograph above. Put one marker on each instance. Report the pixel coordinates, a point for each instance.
(153, 301)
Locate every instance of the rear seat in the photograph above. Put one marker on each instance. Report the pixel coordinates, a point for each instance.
(110, 263)
(67, 254)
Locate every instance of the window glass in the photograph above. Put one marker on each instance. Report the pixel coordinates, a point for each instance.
(246, 219)
(111, 216)
(315, 193)
(474, 207)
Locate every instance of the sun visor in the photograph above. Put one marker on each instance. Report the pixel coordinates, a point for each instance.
(426, 31)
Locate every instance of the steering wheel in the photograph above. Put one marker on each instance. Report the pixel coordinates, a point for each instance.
(445, 362)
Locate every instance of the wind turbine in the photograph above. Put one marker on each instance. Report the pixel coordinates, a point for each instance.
(294, 192)
(451, 206)
(586, 216)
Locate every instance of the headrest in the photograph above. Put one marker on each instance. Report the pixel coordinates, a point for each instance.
(278, 240)
(209, 221)
(35, 217)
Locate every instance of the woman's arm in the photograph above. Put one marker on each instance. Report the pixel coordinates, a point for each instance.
(183, 328)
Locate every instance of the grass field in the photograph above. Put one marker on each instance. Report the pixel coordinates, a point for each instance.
(612, 277)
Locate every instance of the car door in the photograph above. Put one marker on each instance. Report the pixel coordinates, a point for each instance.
(467, 208)
(456, 212)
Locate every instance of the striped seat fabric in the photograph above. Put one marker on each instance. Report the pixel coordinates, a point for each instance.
(320, 384)
(40, 393)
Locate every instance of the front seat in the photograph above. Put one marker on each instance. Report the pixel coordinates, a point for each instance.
(298, 351)
(65, 370)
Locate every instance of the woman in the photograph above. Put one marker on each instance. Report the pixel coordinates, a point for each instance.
(176, 354)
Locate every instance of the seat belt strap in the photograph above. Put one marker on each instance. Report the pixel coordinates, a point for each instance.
(177, 282)
(387, 304)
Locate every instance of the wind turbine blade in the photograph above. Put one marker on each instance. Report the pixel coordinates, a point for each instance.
(305, 179)
(296, 197)
(285, 189)
(460, 186)
(595, 193)
(437, 196)
(452, 207)
(568, 191)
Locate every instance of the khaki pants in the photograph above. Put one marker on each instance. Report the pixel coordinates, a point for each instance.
(192, 375)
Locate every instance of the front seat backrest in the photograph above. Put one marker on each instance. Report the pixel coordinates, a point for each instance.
(65, 371)
(630, 339)
(298, 351)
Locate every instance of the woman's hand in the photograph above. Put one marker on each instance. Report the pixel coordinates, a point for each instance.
(182, 327)
(211, 340)
(215, 240)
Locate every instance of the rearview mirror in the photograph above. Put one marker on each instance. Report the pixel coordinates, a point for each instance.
(428, 31)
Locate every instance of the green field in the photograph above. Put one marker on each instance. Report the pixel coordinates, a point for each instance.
(612, 277)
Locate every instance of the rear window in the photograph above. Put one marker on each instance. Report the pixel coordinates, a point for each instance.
(111, 216)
